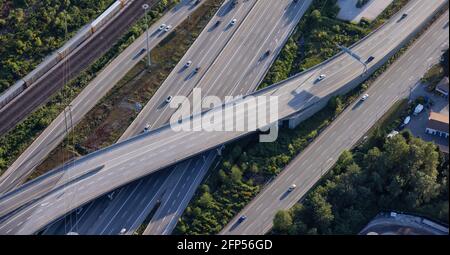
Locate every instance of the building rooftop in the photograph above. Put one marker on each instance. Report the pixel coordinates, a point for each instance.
(439, 122)
(443, 85)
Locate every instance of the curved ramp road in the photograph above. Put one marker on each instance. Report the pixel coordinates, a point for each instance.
(54, 134)
(103, 171)
(343, 134)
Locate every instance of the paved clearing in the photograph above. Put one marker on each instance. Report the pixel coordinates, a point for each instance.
(370, 11)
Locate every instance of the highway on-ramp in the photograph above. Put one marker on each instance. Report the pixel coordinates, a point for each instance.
(306, 169)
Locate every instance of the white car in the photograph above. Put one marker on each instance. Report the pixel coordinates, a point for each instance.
(123, 231)
(292, 187)
(233, 22)
(321, 77)
(162, 27)
(364, 98)
(167, 29)
(188, 64)
(169, 99)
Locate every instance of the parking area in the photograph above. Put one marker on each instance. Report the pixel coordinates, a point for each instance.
(369, 11)
(418, 123)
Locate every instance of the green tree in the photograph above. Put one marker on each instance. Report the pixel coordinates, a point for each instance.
(282, 222)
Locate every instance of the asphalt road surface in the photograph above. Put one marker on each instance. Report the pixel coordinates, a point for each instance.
(37, 94)
(100, 172)
(54, 134)
(206, 48)
(343, 134)
(252, 31)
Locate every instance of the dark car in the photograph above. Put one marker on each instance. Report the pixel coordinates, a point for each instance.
(139, 53)
(217, 24)
(242, 218)
(370, 59)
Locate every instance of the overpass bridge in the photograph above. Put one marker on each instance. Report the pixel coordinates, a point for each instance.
(40, 202)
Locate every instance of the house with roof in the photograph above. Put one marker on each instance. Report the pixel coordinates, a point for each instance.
(442, 87)
(438, 125)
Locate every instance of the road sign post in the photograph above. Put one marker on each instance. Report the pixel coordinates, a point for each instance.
(149, 61)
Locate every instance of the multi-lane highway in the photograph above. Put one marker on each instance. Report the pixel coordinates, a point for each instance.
(100, 172)
(243, 55)
(260, 32)
(53, 135)
(343, 134)
(70, 67)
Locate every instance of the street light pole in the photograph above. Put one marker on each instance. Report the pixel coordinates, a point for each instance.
(149, 61)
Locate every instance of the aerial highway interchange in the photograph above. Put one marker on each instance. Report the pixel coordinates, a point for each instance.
(112, 191)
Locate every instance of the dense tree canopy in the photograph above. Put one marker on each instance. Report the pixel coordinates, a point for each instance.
(31, 29)
(406, 174)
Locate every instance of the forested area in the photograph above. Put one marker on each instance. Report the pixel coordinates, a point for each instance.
(32, 29)
(403, 173)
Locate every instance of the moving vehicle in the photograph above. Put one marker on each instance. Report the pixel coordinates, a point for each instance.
(364, 98)
(169, 99)
(147, 128)
(233, 22)
(188, 64)
(321, 77)
(370, 59)
(139, 53)
(123, 231)
(196, 70)
(292, 187)
(242, 218)
(162, 27)
(217, 24)
(167, 29)
(267, 53)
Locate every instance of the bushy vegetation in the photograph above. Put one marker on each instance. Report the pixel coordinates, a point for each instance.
(436, 73)
(402, 173)
(18, 139)
(31, 29)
